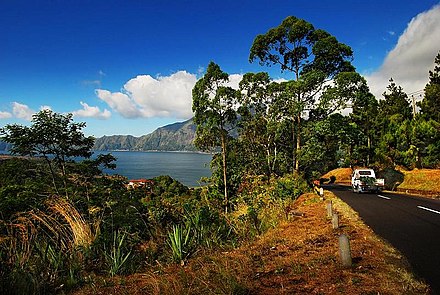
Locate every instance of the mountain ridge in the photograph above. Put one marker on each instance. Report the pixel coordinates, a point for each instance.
(177, 136)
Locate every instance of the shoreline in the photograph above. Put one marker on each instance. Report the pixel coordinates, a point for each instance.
(154, 151)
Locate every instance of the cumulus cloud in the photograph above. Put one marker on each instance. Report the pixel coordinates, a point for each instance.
(145, 96)
(22, 111)
(413, 56)
(92, 112)
(5, 115)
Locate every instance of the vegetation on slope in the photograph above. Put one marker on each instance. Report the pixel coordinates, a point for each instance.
(298, 256)
(421, 180)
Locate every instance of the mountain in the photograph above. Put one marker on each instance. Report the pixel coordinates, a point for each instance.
(4, 146)
(173, 137)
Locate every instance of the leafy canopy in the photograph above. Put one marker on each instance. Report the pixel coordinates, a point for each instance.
(50, 134)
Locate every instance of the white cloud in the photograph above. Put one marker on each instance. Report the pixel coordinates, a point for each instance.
(22, 111)
(234, 80)
(92, 112)
(5, 115)
(145, 96)
(120, 102)
(413, 56)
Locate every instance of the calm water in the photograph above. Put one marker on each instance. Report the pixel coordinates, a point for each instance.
(187, 168)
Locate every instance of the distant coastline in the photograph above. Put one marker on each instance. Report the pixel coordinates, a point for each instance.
(154, 151)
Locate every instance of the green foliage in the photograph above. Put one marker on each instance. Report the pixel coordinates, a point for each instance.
(290, 187)
(430, 105)
(261, 205)
(214, 115)
(313, 56)
(180, 242)
(165, 186)
(55, 137)
(117, 256)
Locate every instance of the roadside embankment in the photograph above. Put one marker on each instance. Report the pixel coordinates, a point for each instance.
(421, 181)
(299, 256)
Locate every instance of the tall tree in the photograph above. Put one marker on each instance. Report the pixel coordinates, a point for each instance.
(260, 126)
(395, 102)
(430, 105)
(215, 115)
(51, 136)
(365, 108)
(394, 113)
(312, 55)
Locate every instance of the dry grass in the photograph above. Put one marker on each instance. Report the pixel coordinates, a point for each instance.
(64, 224)
(61, 223)
(343, 175)
(300, 256)
(424, 180)
(18, 241)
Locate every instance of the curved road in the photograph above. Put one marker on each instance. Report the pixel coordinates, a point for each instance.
(411, 224)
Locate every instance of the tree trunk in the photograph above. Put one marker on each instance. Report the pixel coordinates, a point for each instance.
(275, 154)
(293, 142)
(369, 150)
(63, 170)
(298, 142)
(225, 178)
(52, 172)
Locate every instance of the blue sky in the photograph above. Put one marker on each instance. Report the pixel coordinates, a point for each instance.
(127, 67)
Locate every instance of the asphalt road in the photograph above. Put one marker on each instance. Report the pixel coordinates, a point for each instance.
(411, 224)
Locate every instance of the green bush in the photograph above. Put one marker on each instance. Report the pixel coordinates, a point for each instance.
(290, 187)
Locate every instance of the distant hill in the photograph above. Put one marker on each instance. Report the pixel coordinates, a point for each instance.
(4, 146)
(173, 137)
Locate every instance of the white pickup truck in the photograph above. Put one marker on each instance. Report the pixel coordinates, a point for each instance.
(364, 180)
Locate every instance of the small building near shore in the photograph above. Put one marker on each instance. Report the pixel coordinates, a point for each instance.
(140, 183)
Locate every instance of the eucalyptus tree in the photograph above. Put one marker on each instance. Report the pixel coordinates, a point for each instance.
(259, 124)
(214, 107)
(53, 136)
(312, 55)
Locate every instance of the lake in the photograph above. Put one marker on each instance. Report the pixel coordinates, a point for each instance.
(185, 167)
